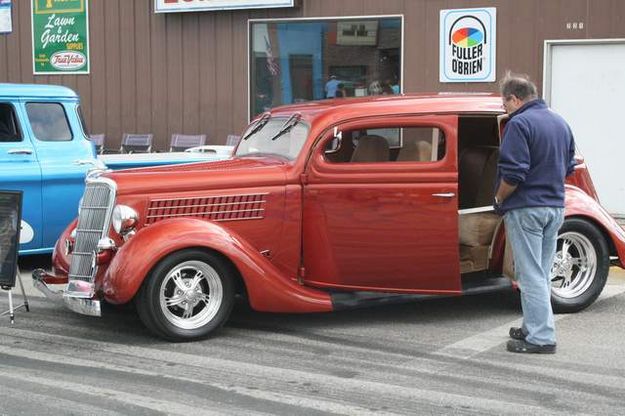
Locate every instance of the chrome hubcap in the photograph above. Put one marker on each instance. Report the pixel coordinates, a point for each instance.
(574, 267)
(191, 294)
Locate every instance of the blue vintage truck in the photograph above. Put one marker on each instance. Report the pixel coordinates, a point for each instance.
(45, 153)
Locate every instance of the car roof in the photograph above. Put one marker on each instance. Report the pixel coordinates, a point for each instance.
(36, 90)
(344, 108)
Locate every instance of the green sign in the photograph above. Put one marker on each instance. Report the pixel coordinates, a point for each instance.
(60, 37)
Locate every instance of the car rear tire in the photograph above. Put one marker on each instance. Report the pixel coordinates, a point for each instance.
(187, 296)
(581, 266)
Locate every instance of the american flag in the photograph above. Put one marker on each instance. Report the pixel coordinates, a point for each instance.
(272, 65)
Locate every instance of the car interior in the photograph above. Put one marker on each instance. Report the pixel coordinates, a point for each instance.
(406, 144)
(478, 142)
(8, 126)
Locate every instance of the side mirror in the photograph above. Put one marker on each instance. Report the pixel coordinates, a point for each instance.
(335, 144)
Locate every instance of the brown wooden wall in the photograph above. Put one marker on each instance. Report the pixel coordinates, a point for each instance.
(187, 72)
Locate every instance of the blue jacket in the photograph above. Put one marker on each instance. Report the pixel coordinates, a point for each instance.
(536, 154)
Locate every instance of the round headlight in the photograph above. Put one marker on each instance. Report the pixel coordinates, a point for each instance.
(124, 219)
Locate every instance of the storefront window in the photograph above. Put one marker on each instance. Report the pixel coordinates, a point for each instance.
(298, 61)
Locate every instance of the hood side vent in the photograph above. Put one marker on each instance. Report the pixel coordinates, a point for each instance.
(213, 208)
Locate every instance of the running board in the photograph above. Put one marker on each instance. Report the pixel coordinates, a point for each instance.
(477, 286)
(355, 300)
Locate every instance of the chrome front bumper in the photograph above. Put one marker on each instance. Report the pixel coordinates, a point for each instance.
(81, 305)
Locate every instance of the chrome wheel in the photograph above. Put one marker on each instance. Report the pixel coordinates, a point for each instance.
(191, 295)
(575, 265)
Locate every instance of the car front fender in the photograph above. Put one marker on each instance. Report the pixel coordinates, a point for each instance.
(268, 288)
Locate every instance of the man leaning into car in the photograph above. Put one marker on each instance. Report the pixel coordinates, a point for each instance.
(537, 153)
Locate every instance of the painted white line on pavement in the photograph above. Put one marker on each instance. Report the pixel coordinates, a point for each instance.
(484, 341)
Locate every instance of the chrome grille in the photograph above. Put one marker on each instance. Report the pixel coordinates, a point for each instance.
(93, 224)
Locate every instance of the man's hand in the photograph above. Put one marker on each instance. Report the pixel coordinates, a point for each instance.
(497, 206)
(503, 191)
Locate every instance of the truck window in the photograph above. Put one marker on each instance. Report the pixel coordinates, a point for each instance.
(83, 124)
(49, 122)
(9, 131)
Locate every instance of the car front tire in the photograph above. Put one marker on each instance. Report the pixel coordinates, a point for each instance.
(187, 296)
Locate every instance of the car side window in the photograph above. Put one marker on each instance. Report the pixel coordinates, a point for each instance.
(49, 122)
(9, 131)
(392, 144)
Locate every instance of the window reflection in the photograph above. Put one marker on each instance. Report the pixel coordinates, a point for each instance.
(267, 140)
(299, 61)
(48, 122)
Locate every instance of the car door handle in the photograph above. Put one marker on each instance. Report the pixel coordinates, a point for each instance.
(445, 195)
(20, 152)
(84, 162)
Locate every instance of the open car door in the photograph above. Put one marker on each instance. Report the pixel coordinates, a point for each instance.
(502, 120)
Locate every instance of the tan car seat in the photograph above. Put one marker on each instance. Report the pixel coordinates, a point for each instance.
(371, 149)
(415, 150)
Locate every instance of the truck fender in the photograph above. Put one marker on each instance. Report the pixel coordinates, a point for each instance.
(268, 288)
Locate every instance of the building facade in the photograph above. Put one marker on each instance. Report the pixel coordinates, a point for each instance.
(210, 71)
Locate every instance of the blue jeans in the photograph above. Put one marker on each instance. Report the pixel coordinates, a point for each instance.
(533, 233)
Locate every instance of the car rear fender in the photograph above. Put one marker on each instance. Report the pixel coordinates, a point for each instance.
(580, 204)
(267, 287)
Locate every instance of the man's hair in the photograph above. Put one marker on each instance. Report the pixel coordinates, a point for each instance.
(518, 85)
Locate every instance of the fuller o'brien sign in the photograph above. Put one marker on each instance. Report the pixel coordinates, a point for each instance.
(468, 45)
(175, 6)
(60, 37)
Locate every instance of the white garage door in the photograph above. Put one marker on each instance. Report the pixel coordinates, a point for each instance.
(584, 81)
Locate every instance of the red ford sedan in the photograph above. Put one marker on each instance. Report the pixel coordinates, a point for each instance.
(323, 206)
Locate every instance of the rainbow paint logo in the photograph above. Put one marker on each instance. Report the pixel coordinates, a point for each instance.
(467, 37)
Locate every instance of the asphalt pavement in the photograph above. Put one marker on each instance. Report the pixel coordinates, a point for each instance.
(442, 356)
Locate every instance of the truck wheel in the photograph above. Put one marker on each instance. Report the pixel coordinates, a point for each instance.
(580, 268)
(187, 296)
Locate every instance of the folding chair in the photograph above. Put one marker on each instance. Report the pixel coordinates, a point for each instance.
(181, 142)
(136, 143)
(232, 140)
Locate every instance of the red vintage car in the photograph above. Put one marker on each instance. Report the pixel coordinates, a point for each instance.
(324, 205)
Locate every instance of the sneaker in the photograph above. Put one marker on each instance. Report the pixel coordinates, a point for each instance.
(523, 346)
(517, 333)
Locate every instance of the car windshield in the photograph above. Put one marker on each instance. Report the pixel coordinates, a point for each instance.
(281, 136)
